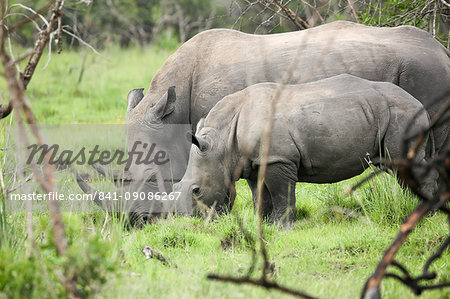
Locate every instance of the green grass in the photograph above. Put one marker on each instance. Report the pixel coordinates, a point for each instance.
(332, 249)
(57, 97)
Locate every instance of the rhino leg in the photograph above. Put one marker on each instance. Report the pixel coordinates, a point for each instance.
(393, 150)
(280, 183)
(267, 200)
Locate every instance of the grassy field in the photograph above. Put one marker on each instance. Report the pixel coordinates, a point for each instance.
(332, 249)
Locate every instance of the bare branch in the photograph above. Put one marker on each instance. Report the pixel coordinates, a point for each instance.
(27, 179)
(353, 10)
(264, 283)
(82, 41)
(39, 46)
(27, 19)
(22, 57)
(32, 11)
(299, 22)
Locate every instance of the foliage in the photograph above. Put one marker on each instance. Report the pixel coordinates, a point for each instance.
(127, 22)
(88, 262)
(139, 22)
(432, 16)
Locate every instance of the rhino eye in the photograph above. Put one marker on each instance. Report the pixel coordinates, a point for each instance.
(196, 191)
(152, 178)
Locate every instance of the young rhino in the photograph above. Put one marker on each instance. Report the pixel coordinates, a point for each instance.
(321, 133)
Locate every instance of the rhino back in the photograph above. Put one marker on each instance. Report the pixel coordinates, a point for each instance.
(220, 62)
(405, 56)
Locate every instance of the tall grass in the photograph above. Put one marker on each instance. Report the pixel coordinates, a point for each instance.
(3, 221)
(380, 200)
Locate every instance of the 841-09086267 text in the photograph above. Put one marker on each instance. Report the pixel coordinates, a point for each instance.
(135, 196)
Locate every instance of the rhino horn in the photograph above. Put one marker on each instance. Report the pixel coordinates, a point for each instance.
(119, 177)
(134, 97)
(165, 105)
(200, 124)
(89, 190)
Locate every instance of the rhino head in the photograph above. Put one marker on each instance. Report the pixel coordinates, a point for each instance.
(154, 130)
(157, 156)
(207, 180)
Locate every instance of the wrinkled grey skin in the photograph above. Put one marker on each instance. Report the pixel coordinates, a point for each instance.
(219, 62)
(322, 132)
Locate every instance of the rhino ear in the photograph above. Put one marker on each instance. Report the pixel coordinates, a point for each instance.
(134, 97)
(199, 142)
(166, 104)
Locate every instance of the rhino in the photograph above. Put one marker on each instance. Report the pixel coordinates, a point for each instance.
(322, 131)
(219, 62)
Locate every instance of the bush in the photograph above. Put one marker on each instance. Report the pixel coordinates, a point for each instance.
(88, 262)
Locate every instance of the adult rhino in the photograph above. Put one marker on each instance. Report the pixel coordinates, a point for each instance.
(219, 62)
(322, 131)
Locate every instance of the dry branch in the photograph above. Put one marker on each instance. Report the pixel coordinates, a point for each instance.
(352, 9)
(32, 17)
(260, 282)
(39, 46)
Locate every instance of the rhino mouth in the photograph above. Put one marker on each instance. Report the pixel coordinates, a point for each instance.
(203, 205)
(146, 210)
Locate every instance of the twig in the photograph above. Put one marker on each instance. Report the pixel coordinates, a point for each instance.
(82, 41)
(22, 57)
(2, 183)
(368, 178)
(32, 17)
(32, 11)
(39, 47)
(355, 15)
(265, 145)
(40, 44)
(27, 179)
(260, 282)
(152, 253)
(296, 19)
(104, 224)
